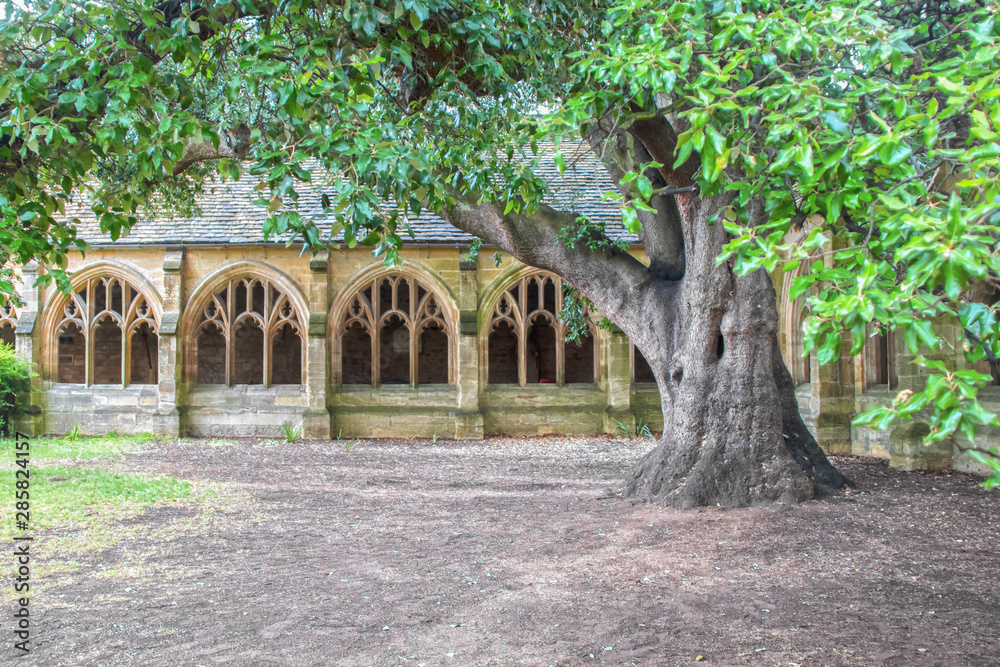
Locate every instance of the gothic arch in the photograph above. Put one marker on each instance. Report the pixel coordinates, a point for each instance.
(241, 308)
(111, 304)
(393, 326)
(520, 311)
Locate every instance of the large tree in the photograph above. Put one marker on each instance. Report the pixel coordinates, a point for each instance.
(871, 127)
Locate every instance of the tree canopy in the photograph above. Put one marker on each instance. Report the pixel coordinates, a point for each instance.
(866, 133)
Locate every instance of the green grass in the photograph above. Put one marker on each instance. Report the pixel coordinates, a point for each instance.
(83, 504)
(84, 498)
(292, 433)
(640, 430)
(81, 448)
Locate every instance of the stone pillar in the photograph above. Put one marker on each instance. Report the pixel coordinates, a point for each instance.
(316, 422)
(468, 417)
(618, 370)
(833, 392)
(171, 387)
(906, 448)
(908, 452)
(29, 417)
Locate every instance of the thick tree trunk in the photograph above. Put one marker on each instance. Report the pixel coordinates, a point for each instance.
(732, 433)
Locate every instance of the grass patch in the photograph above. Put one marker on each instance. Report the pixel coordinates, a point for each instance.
(87, 498)
(82, 448)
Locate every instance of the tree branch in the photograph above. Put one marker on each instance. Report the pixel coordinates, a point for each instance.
(617, 283)
(234, 144)
(660, 233)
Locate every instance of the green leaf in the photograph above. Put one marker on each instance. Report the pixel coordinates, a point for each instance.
(835, 122)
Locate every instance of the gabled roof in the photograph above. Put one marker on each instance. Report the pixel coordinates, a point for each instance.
(229, 215)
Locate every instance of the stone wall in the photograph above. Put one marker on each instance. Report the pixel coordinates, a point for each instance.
(103, 408)
(178, 374)
(837, 393)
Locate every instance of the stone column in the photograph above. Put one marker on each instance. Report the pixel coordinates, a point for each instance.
(468, 417)
(906, 442)
(618, 369)
(316, 422)
(833, 392)
(172, 386)
(29, 418)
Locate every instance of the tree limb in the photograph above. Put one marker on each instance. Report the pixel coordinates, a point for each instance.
(660, 232)
(234, 144)
(617, 283)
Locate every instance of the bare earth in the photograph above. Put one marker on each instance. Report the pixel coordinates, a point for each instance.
(517, 552)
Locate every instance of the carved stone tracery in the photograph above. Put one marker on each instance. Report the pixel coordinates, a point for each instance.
(248, 313)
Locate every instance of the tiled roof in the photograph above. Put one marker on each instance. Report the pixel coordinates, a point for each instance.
(229, 215)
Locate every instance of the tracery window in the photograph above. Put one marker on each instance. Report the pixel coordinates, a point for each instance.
(249, 333)
(398, 322)
(526, 343)
(8, 323)
(107, 335)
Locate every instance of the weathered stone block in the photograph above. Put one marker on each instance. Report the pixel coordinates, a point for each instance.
(907, 451)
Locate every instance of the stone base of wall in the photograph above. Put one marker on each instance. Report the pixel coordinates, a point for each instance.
(101, 409)
(401, 411)
(543, 410)
(903, 446)
(646, 405)
(412, 422)
(244, 411)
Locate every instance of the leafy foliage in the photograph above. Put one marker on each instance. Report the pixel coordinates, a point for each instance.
(15, 378)
(640, 430)
(991, 459)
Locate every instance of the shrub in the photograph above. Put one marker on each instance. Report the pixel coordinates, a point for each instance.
(15, 378)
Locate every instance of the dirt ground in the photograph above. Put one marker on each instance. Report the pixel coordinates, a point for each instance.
(517, 552)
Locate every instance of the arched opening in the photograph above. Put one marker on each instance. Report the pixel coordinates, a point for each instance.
(211, 367)
(103, 316)
(503, 354)
(432, 355)
(143, 355)
(286, 356)
(411, 343)
(540, 353)
(72, 354)
(394, 351)
(356, 355)
(527, 332)
(107, 352)
(580, 361)
(250, 333)
(880, 362)
(248, 352)
(8, 323)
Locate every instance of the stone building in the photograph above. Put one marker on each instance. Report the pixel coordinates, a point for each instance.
(200, 327)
